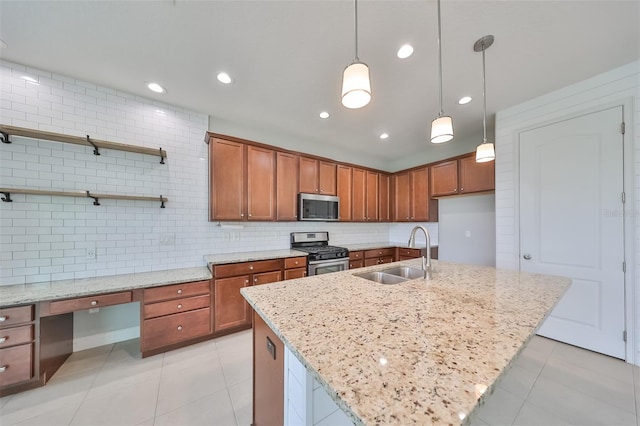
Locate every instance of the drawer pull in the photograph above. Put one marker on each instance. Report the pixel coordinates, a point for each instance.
(296, 262)
(3, 368)
(3, 339)
(94, 302)
(179, 306)
(246, 281)
(179, 328)
(180, 291)
(251, 268)
(3, 319)
(255, 280)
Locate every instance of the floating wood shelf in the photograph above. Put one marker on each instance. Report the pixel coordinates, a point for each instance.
(6, 131)
(6, 192)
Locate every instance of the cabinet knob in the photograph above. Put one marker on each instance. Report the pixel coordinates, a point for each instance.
(296, 262)
(179, 306)
(241, 214)
(179, 328)
(179, 291)
(3, 368)
(249, 214)
(461, 189)
(94, 302)
(255, 280)
(3, 319)
(246, 281)
(3, 339)
(251, 268)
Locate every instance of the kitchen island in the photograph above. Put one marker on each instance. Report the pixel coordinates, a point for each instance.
(421, 352)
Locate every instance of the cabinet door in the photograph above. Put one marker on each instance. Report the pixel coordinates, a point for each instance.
(476, 177)
(354, 264)
(291, 274)
(344, 187)
(359, 195)
(308, 175)
(444, 178)
(268, 375)
(226, 160)
(230, 308)
(420, 195)
(372, 196)
(327, 178)
(267, 277)
(261, 184)
(383, 198)
(286, 186)
(402, 197)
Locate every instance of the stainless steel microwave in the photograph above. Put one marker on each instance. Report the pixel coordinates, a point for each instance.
(323, 208)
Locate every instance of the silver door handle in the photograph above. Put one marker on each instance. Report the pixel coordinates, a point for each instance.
(527, 256)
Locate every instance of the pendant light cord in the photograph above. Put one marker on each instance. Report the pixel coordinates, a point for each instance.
(440, 58)
(356, 27)
(484, 98)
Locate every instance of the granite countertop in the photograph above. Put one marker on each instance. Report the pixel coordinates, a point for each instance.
(250, 256)
(52, 290)
(384, 244)
(420, 352)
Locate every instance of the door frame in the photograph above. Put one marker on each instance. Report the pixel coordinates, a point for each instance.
(631, 292)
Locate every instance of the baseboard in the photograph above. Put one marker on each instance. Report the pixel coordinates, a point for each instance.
(101, 339)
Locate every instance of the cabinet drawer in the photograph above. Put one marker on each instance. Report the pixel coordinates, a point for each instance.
(16, 336)
(169, 307)
(234, 269)
(176, 291)
(385, 259)
(176, 328)
(82, 303)
(295, 262)
(17, 315)
(291, 274)
(267, 277)
(355, 255)
(16, 364)
(410, 252)
(379, 252)
(353, 264)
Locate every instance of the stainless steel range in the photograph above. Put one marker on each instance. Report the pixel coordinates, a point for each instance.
(322, 257)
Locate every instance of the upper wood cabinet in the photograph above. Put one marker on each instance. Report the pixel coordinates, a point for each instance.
(372, 196)
(411, 196)
(384, 213)
(242, 181)
(365, 195)
(226, 180)
(462, 176)
(286, 186)
(317, 177)
(344, 186)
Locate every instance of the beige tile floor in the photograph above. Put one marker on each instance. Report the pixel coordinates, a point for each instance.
(210, 384)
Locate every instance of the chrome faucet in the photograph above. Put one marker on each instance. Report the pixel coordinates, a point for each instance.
(426, 262)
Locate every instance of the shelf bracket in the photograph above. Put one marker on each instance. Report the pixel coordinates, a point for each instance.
(5, 137)
(95, 149)
(161, 156)
(161, 202)
(96, 202)
(7, 197)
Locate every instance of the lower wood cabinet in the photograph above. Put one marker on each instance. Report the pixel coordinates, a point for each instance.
(268, 375)
(379, 256)
(175, 314)
(295, 267)
(18, 365)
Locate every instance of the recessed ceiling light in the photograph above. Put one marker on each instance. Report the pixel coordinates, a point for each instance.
(31, 80)
(155, 87)
(384, 136)
(324, 114)
(405, 51)
(464, 100)
(223, 77)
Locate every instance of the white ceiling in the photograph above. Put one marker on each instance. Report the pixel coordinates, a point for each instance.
(287, 58)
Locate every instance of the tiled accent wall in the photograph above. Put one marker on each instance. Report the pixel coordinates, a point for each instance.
(618, 86)
(46, 238)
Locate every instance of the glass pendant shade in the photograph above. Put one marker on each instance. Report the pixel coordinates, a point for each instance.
(442, 129)
(356, 88)
(485, 152)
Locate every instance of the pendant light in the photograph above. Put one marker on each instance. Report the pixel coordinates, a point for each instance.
(485, 151)
(356, 88)
(441, 126)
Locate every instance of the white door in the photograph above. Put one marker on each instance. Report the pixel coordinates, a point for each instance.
(571, 224)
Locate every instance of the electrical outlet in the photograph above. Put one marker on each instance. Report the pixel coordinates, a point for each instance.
(467, 234)
(91, 253)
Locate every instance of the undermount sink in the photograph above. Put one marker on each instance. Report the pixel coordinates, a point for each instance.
(405, 272)
(382, 278)
(396, 275)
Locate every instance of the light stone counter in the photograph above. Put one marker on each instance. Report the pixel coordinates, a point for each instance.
(420, 352)
(384, 244)
(52, 290)
(250, 256)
